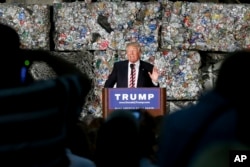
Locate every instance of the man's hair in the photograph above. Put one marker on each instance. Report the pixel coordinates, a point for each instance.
(135, 44)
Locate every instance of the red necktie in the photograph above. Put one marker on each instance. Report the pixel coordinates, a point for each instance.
(132, 76)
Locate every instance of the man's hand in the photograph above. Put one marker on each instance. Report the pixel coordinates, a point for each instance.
(154, 75)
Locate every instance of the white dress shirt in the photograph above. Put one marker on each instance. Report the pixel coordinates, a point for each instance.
(137, 64)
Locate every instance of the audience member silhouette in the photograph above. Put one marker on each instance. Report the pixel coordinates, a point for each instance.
(219, 116)
(78, 140)
(147, 139)
(92, 132)
(219, 154)
(117, 141)
(158, 126)
(11, 58)
(36, 115)
(129, 138)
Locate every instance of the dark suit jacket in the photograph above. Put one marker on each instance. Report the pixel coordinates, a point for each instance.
(119, 75)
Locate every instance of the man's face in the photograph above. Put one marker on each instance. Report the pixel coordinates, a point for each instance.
(133, 53)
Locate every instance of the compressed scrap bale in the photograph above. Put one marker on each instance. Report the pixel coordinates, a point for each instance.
(206, 26)
(31, 22)
(103, 25)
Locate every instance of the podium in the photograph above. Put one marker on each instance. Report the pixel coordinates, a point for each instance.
(153, 100)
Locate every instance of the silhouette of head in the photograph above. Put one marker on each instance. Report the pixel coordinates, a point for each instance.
(233, 83)
(12, 58)
(232, 80)
(10, 38)
(118, 136)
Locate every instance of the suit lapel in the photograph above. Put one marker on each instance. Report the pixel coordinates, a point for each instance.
(124, 74)
(140, 77)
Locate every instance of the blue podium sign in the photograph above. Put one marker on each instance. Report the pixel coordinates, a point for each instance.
(134, 98)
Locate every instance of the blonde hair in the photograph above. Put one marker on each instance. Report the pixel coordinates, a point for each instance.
(135, 44)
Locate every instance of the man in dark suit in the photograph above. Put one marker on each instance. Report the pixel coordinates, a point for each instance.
(146, 74)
